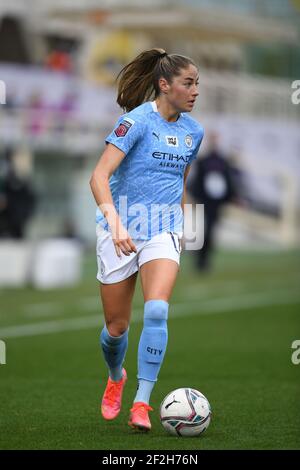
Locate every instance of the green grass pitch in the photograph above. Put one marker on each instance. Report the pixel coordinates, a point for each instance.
(230, 336)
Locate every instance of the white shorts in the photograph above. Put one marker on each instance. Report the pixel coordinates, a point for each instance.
(113, 269)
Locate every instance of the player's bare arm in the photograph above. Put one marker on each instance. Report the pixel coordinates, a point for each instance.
(107, 164)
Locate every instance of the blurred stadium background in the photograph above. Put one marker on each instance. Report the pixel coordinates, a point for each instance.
(58, 63)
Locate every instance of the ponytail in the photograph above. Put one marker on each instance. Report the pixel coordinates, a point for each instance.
(138, 80)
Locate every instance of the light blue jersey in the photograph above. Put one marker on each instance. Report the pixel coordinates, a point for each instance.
(147, 186)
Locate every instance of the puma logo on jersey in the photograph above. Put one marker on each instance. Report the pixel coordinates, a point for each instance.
(172, 140)
(155, 135)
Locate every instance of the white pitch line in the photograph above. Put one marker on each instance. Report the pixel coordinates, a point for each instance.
(55, 309)
(93, 303)
(177, 310)
(44, 309)
(245, 301)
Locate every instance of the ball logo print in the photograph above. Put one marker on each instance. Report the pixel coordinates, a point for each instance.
(185, 412)
(171, 403)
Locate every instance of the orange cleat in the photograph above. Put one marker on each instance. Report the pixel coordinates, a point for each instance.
(112, 398)
(139, 418)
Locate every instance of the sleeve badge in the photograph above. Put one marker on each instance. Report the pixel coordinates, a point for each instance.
(123, 128)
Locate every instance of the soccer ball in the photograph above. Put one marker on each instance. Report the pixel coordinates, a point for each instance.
(185, 412)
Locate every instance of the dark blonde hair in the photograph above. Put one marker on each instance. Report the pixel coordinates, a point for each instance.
(138, 81)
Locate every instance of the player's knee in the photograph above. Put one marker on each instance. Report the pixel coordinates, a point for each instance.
(116, 327)
(156, 312)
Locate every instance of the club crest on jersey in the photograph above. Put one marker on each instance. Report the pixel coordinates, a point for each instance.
(188, 141)
(172, 140)
(124, 127)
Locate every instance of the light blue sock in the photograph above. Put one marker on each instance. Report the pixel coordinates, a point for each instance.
(152, 347)
(144, 390)
(114, 349)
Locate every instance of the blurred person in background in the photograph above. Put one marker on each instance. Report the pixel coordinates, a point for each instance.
(17, 201)
(3, 220)
(147, 160)
(59, 59)
(213, 184)
(65, 111)
(239, 178)
(36, 112)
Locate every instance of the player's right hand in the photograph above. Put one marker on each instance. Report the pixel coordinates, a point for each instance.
(122, 241)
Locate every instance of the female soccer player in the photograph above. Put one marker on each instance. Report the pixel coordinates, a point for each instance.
(139, 187)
